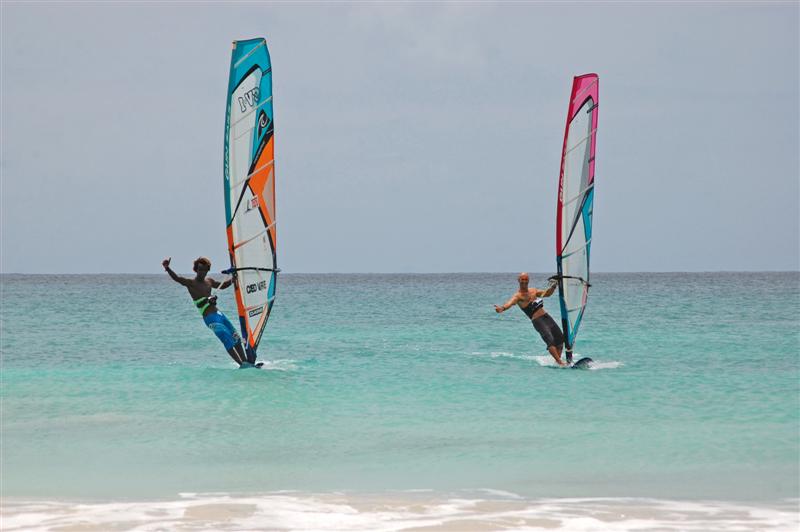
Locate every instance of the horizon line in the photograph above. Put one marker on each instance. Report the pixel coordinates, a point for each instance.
(415, 273)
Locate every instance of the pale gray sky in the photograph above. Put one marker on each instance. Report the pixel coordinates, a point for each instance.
(409, 137)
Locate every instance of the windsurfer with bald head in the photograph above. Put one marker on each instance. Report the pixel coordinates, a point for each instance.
(529, 300)
(200, 290)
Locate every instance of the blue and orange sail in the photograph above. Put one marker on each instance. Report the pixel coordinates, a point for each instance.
(249, 176)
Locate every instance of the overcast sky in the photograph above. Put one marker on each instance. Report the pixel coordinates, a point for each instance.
(409, 138)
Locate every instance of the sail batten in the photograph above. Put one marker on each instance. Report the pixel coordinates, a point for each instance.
(249, 184)
(250, 113)
(587, 87)
(261, 233)
(254, 172)
(251, 52)
(580, 142)
(572, 252)
(575, 205)
(579, 195)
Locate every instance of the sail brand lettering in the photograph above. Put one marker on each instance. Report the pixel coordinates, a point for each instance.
(256, 287)
(255, 312)
(248, 100)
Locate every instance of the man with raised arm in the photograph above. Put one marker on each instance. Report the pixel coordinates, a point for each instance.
(200, 290)
(529, 300)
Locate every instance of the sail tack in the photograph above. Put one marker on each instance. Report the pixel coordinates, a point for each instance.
(249, 177)
(575, 202)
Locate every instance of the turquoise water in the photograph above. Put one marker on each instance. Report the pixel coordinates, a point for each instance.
(112, 388)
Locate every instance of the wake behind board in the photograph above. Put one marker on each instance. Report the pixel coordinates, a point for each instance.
(584, 363)
(248, 365)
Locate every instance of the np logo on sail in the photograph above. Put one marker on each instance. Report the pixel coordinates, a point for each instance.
(249, 99)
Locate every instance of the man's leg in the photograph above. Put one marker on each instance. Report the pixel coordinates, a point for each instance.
(555, 352)
(230, 339)
(234, 353)
(551, 334)
(558, 339)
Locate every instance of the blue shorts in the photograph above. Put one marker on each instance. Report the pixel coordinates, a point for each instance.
(223, 328)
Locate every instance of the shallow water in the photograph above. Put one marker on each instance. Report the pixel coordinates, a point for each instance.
(113, 389)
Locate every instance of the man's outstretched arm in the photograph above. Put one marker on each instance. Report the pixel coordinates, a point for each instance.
(175, 277)
(507, 305)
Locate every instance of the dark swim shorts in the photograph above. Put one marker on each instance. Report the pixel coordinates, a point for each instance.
(548, 330)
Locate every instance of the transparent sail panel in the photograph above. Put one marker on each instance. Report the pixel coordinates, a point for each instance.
(576, 165)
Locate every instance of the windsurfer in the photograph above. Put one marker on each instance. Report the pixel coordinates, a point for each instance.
(529, 300)
(200, 290)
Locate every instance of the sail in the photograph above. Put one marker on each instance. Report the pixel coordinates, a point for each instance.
(575, 200)
(249, 175)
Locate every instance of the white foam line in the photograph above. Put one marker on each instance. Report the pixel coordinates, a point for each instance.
(338, 511)
(502, 493)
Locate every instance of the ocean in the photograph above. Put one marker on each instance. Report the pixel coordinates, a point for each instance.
(402, 402)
